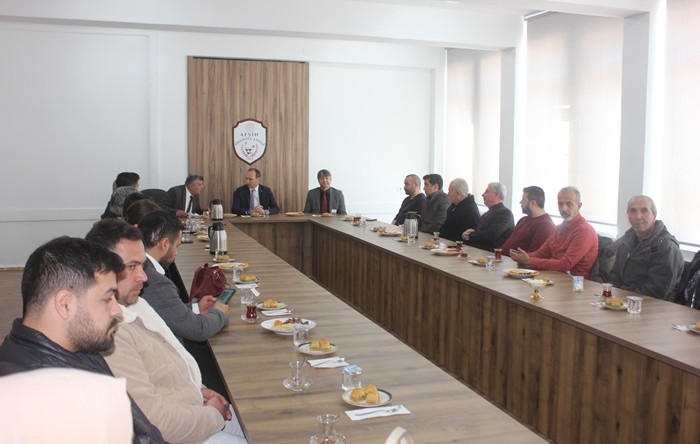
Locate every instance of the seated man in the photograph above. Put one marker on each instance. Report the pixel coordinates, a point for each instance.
(415, 201)
(647, 258)
(124, 179)
(254, 198)
(183, 200)
(324, 198)
(161, 375)
(462, 214)
(532, 230)
(572, 247)
(495, 225)
(436, 205)
(70, 315)
(162, 234)
(687, 291)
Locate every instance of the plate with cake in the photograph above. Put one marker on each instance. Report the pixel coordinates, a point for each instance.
(317, 348)
(367, 396)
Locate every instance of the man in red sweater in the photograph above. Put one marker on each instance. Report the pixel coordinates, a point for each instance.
(573, 247)
(532, 230)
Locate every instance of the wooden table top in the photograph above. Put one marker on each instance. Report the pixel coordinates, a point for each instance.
(650, 332)
(255, 361)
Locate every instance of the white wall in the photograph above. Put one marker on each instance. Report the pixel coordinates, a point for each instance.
(93, 88)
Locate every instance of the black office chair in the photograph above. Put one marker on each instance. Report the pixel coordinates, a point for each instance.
(154, 193)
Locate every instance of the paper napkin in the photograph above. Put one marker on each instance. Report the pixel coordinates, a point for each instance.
(388, 410)
(280, 312)
(327, 363)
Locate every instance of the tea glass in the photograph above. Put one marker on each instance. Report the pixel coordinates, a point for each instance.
(490, 262)
(301, 334)
(577, 284)
(297, 382)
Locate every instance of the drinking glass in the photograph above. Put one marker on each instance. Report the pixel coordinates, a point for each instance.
(607, 290)
(490, 262)
(577, 284)
(634, 304)
(327, 434)
(301, 334)
(297, 382)
(497, 252)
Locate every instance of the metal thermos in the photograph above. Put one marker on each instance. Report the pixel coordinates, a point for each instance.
(217, 238)
(216, 210)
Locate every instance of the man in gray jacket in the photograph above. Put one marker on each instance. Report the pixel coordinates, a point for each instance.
(162, 234)
(646, 259)
(438, 203)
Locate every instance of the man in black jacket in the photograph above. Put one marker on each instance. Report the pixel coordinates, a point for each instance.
(494, 226)
(462, 214)
(70, 315)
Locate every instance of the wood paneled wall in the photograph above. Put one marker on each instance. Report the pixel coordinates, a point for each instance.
(224, 92)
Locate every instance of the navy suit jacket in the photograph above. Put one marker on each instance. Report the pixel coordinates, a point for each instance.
(174, 200)
(241, 200)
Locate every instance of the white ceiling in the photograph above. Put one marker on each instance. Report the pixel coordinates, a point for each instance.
(611, 8)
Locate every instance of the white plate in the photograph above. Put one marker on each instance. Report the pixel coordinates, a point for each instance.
(280, 306)
(610, 307)
(384, 398)
(439, 252)
(229, 265)
(304, 348)
(390, 233)
(427, 248)
(520, 273)
(401, 240)
(475, 262)
(270, 325)
(256, 281)
(225, 261)
(294, 213)
(691, 327)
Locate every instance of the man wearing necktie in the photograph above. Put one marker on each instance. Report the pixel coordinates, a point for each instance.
(324, 199)
(184, 199)
(253, 198)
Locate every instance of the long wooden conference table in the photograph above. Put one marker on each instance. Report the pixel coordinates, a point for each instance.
(254, 362)
(573, 372)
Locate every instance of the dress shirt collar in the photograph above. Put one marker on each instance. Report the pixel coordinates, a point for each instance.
(159, 268)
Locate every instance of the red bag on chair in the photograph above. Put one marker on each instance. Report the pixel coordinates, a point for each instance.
(208, 280)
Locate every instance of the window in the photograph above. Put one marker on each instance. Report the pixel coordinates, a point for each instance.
(571, 134)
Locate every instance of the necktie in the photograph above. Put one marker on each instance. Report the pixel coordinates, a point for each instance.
(324, 202)
(252, 199)
(189, 205)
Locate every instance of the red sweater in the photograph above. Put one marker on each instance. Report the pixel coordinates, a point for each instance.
(572, 247)
(529, 234)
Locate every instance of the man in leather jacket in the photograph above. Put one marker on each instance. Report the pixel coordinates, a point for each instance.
(70, 315)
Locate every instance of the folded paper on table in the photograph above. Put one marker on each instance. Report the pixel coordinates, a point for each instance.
(280, 312)
(327, 363)
(359, 414)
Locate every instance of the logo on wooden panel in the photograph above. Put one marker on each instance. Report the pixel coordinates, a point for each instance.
(249, 140)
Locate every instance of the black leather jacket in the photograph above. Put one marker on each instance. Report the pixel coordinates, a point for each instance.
(28, 349)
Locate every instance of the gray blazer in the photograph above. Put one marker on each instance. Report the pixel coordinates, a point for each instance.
(335, 202)
(163, 296)
(435, 213)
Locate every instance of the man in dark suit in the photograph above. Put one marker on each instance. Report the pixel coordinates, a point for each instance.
(184, 199)
(262, 201)
(495, 225)
(324, 198)
(462, 214)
